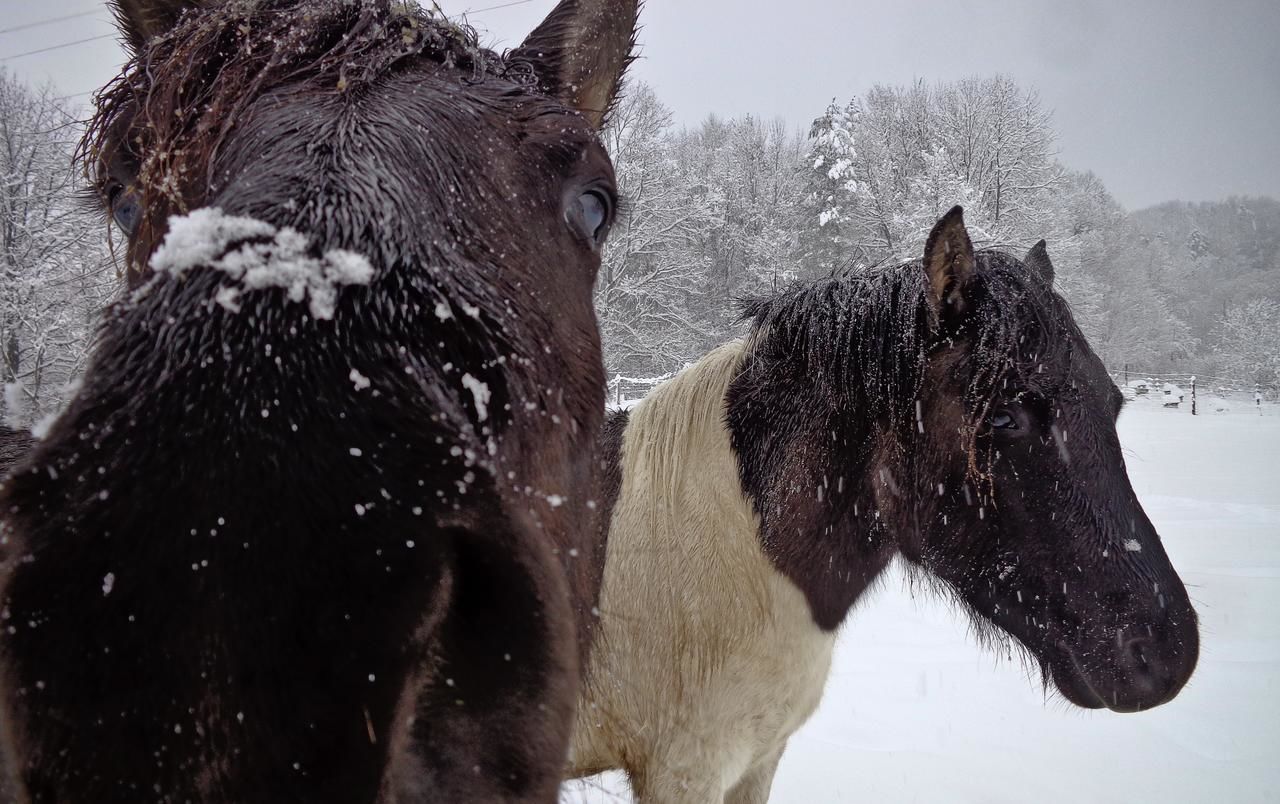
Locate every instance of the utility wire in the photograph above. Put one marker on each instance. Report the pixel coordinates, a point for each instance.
(108, 36)
(56, 47)
(495, 8)
(49, 21)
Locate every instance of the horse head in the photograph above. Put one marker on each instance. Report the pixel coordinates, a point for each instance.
(1016, 492)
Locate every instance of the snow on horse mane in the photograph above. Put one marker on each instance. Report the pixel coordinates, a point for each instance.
(204, 236)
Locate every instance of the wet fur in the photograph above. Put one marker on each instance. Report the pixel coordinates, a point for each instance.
(232, 574)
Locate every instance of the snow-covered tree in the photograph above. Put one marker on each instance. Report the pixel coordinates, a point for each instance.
(55, 268)
(737, 207)
(884, 166)
(708, 216)
(1249, 343)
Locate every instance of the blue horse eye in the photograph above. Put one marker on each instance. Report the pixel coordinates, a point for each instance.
(593, 213)
(126, 211)
(1001, 420)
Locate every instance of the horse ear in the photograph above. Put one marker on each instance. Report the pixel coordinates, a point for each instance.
(949, 262)
(580, 52)
(140, 20)
(1037, 262)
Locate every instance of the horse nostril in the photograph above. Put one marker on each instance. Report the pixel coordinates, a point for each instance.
(1135, 648)
(1142, 664)
(1137, 652)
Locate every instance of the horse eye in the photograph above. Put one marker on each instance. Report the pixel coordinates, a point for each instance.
(1002, 420)
(590, 215)
(126, 211)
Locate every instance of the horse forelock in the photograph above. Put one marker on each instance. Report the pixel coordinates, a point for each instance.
(1020, 338)
(177, 100)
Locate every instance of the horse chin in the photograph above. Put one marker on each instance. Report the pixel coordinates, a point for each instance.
(1126, 695)
(1073, 684)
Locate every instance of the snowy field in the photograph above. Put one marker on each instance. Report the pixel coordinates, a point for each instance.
(916, 712)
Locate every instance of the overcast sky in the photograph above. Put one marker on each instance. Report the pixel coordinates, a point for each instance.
(1162, 99)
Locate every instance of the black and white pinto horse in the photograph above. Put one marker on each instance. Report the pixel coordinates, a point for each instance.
(948, 411)
(312, 530)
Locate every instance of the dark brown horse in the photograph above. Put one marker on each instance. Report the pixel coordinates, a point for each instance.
(311, 529)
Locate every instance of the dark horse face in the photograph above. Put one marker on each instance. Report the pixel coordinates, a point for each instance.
(370, 128)
(474, 184)
(308, 530)
(1023, 506)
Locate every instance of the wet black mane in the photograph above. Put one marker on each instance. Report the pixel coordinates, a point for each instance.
(864, 336)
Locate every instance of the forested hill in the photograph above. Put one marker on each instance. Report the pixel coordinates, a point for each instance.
(1219, 264)
(738, 207)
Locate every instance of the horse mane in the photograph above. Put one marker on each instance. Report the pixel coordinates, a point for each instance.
(679, 417)
(856, 338)
(179, 96)
(863, 337)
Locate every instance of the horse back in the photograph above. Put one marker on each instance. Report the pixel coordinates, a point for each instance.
(707, 657)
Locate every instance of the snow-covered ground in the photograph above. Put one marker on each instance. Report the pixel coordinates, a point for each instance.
(915, 711)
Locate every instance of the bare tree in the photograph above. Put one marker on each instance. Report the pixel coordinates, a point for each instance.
(708, 216)
(55, 272)
(645, 279)
(1249, 343)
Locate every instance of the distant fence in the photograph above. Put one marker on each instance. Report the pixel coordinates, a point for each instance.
(1191, 388)
(626, 389)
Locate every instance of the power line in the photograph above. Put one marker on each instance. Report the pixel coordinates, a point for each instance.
(57, 47)
(108, 36)
(49, 21)
(495, 8)
(86, 93)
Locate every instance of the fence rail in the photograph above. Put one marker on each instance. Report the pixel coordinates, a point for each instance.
(1191, 388)
(626, 389)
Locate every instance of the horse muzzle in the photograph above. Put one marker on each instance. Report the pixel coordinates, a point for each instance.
(1135, 669)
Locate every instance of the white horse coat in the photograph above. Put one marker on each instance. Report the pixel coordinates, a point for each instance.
(707, 659)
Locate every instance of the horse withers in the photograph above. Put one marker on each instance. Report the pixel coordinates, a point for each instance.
(311, 530)
(948, 411)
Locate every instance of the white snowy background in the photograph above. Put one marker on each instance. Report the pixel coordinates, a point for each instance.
(916, 711)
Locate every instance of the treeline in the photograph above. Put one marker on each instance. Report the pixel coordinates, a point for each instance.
(734, 208)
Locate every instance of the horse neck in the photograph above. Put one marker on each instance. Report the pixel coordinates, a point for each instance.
(817, 461)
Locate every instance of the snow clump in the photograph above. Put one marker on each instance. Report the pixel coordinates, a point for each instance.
(203, 237)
